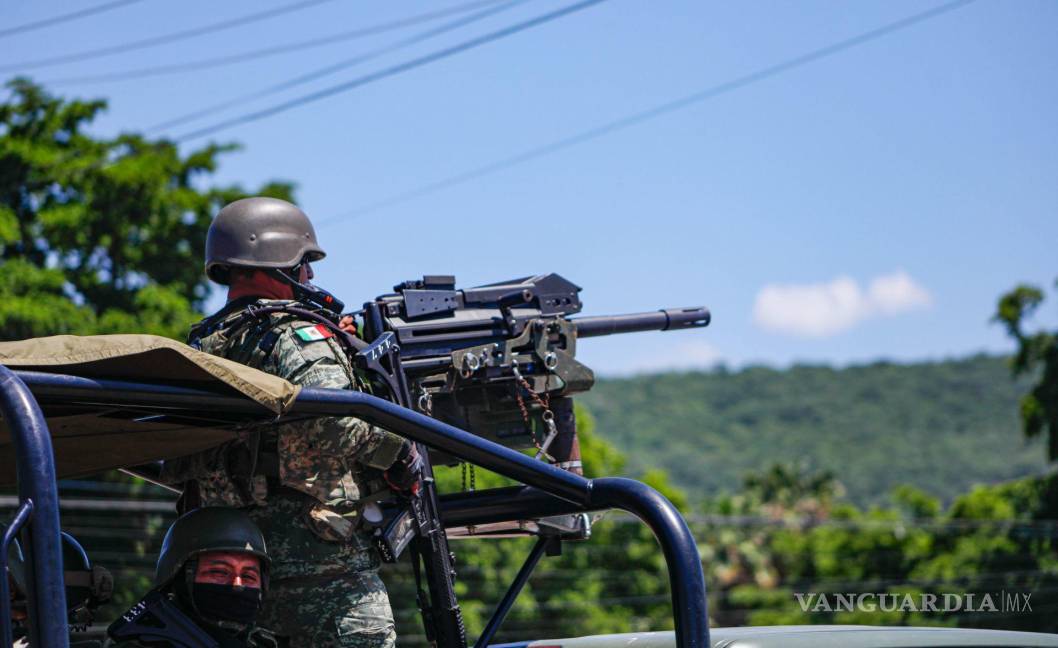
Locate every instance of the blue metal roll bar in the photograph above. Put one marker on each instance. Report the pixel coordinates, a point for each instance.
(38, 515)
(22, 515)
(549, 488)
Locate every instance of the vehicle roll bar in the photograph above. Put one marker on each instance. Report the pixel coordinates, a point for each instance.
(556, 489)
(38, 515)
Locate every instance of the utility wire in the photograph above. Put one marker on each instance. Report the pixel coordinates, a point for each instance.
(73, 15)
(161, 40)
(652, 113)
(388, 72)
(220, 61)
(331, 69)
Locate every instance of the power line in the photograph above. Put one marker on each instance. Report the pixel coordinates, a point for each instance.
(390, 71)
(219, 61)
(73, 15)
(332, 68)
(652, 113)
(166, 38)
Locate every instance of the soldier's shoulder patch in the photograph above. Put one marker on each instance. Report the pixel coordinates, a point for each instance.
(313, 333)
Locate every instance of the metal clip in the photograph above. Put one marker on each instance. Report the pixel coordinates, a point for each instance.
(426, 403)
(552, 432)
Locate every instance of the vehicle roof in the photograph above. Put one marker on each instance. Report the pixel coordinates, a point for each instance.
(89, 438)
(813, 636)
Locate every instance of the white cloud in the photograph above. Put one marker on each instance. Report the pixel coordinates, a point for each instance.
(897, 293)
(825, 309)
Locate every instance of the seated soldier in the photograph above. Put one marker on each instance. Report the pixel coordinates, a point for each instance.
(87, 587)
(210, 581)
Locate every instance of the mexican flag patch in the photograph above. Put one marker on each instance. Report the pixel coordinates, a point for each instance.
(314, 333)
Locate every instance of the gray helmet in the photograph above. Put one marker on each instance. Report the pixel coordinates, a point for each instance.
(213, 528)
(259, 233)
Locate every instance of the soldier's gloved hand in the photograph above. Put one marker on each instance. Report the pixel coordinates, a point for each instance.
(405, 475)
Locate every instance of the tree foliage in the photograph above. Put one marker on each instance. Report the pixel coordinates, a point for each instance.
(1036, 356)
(941, 426)
(98, 234)
(992, 540)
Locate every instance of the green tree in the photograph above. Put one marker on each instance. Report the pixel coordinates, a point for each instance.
(993, 539)
(100, 235)
(1037, 355)
(865, 424)
(793, 488)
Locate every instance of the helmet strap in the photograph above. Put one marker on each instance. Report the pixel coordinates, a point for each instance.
(308, 293)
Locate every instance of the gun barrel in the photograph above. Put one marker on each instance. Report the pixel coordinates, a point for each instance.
(666, 319)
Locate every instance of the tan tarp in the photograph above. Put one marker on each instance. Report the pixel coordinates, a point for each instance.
(144, 357)
(88, 443)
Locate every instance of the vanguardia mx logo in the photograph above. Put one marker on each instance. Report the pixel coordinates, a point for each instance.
(1002, 601)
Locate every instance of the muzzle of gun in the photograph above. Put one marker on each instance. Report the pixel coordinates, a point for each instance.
(666, 319)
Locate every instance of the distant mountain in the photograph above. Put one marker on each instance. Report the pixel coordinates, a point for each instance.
(941, 426)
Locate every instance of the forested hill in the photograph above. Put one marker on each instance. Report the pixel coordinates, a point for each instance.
(941, 426)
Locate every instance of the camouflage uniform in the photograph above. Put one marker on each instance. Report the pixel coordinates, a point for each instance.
(324, 588)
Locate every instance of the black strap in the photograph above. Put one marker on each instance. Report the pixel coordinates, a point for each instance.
(421, 598)
(252, 313)
(267, 464)
(210, 324)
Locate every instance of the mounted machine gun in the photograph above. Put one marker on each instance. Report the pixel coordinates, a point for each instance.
(497, 360)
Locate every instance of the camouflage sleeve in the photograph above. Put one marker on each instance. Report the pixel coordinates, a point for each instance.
(206, 464)
(310, 362)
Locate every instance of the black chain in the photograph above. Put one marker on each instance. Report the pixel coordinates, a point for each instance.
(473, 476)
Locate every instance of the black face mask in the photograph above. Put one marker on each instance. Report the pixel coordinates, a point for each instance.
(227, 602)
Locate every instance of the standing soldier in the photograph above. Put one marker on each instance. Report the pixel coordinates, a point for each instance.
(303, 483)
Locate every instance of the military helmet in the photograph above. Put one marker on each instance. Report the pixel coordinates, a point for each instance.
(213, 528)
(259, 232)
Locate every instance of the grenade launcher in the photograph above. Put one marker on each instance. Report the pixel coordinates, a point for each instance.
(491, 359)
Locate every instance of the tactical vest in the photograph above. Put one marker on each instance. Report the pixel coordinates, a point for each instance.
(304, 455)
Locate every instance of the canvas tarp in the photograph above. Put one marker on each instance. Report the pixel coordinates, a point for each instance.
(87, 443)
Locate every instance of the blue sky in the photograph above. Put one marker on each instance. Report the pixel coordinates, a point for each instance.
(871, 205)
